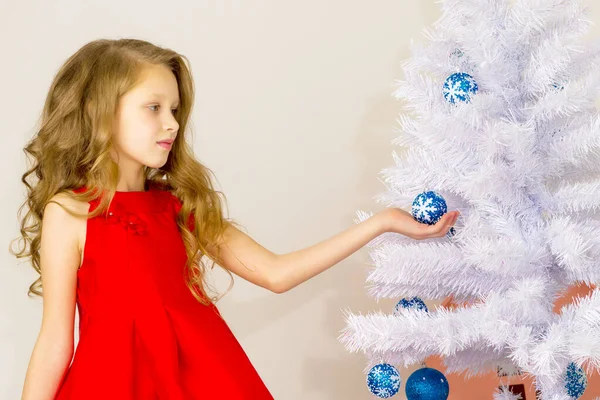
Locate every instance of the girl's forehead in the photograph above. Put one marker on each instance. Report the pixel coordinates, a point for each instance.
(157, 74)
(160, 83)
(155, 91)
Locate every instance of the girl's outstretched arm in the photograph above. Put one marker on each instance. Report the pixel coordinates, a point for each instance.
(281, 272)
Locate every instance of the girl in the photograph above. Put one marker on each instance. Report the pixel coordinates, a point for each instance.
(119, 220)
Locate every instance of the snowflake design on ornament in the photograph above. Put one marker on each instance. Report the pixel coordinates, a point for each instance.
(383, 380)
(459, 87)
(576, 381)
(413, 303)
(428, 207)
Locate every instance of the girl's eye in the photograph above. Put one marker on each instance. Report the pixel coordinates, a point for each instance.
(174, 111)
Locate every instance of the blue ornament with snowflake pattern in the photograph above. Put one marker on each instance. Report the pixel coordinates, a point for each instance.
(428, 207)
(383, 380)
(415, 303)
(427, 384)
(459, 87)
(575, 381)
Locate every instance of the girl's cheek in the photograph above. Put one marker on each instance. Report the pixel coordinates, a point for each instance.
(149, 124)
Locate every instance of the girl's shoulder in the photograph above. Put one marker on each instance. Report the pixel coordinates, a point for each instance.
(77, 223)
(66, 201)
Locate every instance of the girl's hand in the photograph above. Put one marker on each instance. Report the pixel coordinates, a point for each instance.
(399, 221)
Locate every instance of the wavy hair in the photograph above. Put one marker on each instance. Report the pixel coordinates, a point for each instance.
(71, 149)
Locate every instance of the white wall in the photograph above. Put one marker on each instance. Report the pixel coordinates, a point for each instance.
(294, 115)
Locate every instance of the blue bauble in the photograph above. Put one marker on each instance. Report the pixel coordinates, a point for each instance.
(427, 384)
(575, 381)
(428, 207)
(383, 380)
(414, 303)
(459, 87)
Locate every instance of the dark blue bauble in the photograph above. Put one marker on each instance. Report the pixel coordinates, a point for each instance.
(459, 87)
(427, 384)
(575, 381)
(415, 303)
(428, 207)
(384, 380)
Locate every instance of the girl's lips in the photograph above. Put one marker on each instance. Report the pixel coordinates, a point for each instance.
(165, 145)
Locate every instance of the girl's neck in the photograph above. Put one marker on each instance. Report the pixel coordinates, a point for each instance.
(135, 189)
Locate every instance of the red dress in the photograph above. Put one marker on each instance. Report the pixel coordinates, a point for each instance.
(142, 334)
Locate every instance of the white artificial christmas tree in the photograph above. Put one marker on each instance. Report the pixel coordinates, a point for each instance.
(503, 125)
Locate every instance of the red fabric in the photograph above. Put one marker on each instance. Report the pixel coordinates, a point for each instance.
(142, 334)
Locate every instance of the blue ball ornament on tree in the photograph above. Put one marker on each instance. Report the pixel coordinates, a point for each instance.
(427, 384)
(414, 303)
(383, 380)
(428, 207)
(459, 87)
(575, 381)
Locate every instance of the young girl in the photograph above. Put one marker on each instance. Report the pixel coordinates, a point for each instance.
(119, 220)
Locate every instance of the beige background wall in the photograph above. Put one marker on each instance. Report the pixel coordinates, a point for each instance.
(293, 114)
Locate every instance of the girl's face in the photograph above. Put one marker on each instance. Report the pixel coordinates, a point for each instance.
(145, 117)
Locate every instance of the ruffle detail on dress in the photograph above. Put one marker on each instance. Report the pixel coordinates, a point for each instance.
(128, 220)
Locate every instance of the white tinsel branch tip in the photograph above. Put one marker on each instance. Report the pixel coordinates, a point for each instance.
(504, 393)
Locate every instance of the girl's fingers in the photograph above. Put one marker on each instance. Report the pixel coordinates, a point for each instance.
(443, 226)
(455, 218)
(450, 221)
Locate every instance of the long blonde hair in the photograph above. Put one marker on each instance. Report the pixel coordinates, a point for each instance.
(71, 149)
